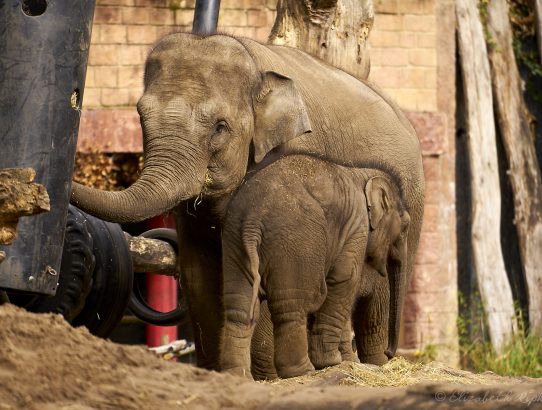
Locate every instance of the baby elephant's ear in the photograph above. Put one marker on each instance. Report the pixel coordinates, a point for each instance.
(280, 114)
(379, 194)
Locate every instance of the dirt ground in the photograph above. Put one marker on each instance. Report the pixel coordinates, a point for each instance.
(46, 364)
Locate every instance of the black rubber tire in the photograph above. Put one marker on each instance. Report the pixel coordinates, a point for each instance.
(75, 276)
(140, 308)
(112, 280)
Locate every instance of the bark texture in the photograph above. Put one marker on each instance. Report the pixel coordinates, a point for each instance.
(486, 195)
(19, 196)
(152, 255)
(334, 30)
(514, 122)
(537, 4)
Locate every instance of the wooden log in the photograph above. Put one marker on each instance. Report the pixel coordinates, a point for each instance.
(537, 5)
(152, 255)
(492, 281)
(334, 30)
(514, 122)
(19, 196)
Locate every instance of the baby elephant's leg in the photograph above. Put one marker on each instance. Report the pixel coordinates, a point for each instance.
(333, 316)
(262, 348)
(345, 346)
(370, 322)
(291, 293)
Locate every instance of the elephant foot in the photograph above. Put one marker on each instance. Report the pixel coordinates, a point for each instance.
(378, 358)
(267, 374)
(286, 372)
(239, 371)
(350, 357)
(321, 354)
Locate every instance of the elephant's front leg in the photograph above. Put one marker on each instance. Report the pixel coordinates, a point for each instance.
(201, 279)
(370, 322)
(345, 346)
(332, 319)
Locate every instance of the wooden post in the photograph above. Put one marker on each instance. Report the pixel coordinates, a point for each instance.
(518, 138)
(537, 4)
(334, 30)
(486, 196)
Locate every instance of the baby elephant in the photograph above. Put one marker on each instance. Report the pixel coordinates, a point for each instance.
(301, 233)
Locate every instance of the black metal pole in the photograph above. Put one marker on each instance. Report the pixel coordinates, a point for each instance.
(43, 60)
(206, 16)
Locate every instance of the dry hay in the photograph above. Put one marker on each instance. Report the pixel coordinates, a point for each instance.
(398, 372)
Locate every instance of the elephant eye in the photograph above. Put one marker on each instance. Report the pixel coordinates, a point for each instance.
(220, 127)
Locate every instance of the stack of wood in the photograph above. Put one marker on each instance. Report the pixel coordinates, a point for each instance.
(493, 100)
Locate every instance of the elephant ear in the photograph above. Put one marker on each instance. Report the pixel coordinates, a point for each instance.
(379, 194)
(280, 114)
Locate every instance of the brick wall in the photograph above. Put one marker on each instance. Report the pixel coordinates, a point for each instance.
(413, 60)
(124, 31)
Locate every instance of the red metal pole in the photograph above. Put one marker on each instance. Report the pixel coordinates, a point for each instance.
(161, 293)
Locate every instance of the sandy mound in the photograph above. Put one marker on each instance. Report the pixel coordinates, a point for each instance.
(46, 364)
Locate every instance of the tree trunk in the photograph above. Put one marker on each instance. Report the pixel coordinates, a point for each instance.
(518, 138)
(486, 197)
(334, 30)
(537, 4)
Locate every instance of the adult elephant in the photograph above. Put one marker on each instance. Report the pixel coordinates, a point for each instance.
(213, 107)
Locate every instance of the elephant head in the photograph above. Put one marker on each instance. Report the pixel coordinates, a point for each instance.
(206, 111)
(387, 246)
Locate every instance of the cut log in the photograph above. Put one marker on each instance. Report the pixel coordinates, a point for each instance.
(518, 138)
(152, 255)
(538, 23)
(334, 30)
(19, 196)
(486, 195)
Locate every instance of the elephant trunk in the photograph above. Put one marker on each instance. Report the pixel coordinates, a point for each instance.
(397, 280)
(171, 174)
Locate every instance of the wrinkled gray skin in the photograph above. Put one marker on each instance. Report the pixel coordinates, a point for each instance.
(296, 233)
(212, 108)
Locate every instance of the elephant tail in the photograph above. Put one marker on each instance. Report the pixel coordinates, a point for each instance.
(251, 241)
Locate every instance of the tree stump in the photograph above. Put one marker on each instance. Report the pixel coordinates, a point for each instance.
(334, 30)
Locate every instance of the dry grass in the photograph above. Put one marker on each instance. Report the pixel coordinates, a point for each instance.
(398, 372)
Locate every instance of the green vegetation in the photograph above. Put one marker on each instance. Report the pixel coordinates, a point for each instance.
(521, 357)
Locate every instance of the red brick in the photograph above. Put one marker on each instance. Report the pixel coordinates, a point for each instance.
(141, 34)
(389, 22)
(113, 34)
(152, 3)
(103, 55)
(432, 130)
(115, 2)
(386, 6)
(258, 18)
(135, 15)
(133, 54)
(107, 15)
(130, 76)
(423, 57)
(114, 97)
(394, 56)
(106, 76)
(184, 17)
(100, 129)
(232, 18)
(162, 16)
(91, 97)
(420, 23)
